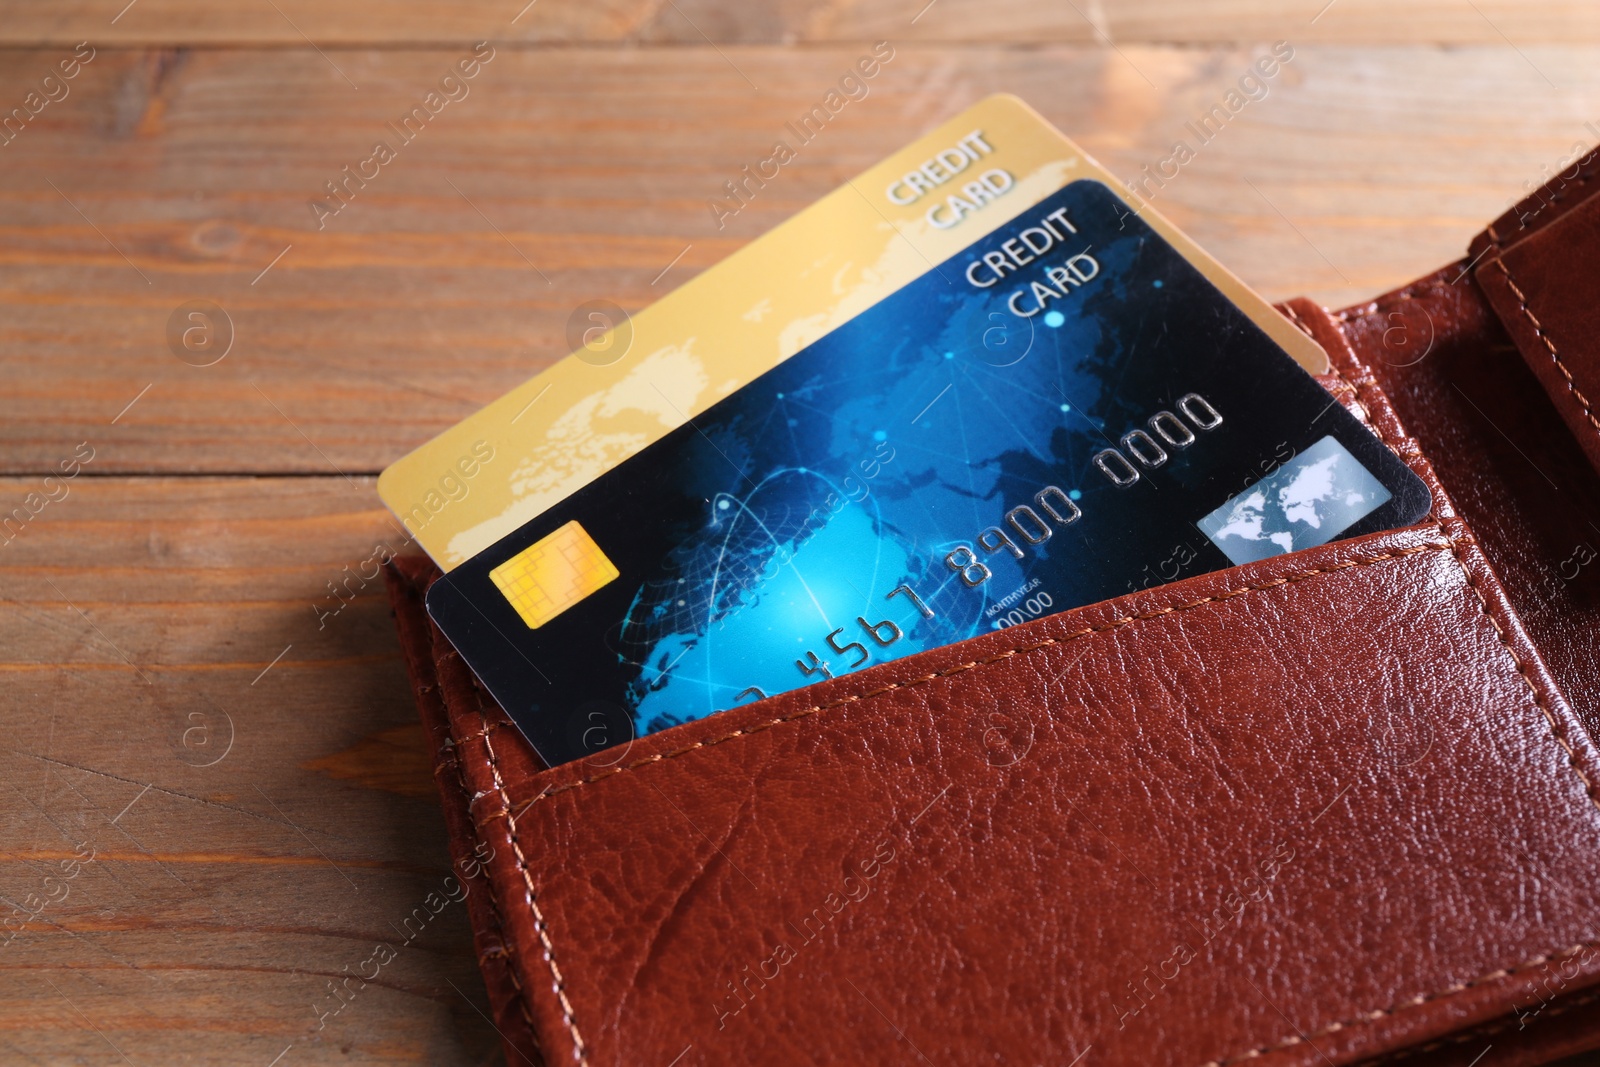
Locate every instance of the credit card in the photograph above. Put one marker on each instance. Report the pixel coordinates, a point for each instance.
(633, 380)
(1060, 413)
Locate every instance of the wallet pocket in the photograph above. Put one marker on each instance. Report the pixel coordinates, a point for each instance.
(1318, 806)
(1311, 809)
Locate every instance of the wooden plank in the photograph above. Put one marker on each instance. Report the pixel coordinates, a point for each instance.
(371, 22)
(147, 623)
(450, 277)
(255, 829)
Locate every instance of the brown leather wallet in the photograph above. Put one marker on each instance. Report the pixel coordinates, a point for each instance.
(1337, 806)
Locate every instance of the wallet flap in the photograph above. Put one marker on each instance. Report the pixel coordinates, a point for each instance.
(1537, 266)
(1564, 192)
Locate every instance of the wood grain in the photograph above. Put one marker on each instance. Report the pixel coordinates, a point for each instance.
(566, 176)
(139, 616)
(161, 23)
(202, 584)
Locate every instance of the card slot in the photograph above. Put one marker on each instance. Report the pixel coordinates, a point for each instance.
(1151, 769)
(984, 650)
(1347, 382)
(1020, 640)
(1067, 805)
(1357, 392)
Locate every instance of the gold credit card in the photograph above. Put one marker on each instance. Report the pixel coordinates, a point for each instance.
(633, 381)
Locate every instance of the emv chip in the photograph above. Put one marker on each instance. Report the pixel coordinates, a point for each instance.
(553, 573)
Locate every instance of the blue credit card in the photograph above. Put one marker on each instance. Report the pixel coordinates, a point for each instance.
(1064, 412)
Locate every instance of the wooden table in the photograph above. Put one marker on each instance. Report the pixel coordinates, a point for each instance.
(184, 697)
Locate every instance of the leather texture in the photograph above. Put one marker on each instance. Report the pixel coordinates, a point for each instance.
(1438, 351)
(407, 580)
(1337, 806)
(1536, 264)
(1539, 285)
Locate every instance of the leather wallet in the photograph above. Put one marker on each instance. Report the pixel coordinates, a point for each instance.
(1336, 806)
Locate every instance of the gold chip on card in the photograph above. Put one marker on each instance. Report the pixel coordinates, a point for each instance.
(553, 573)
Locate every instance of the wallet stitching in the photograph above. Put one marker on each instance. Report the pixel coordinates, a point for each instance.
(540, 925)
(1480, 1032)
(1538, 331)
(488, 728)
(1556, 733)
(1495, 240)
(1411, 1002)
(494, 902)
(1366, 414)
(451, 755)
